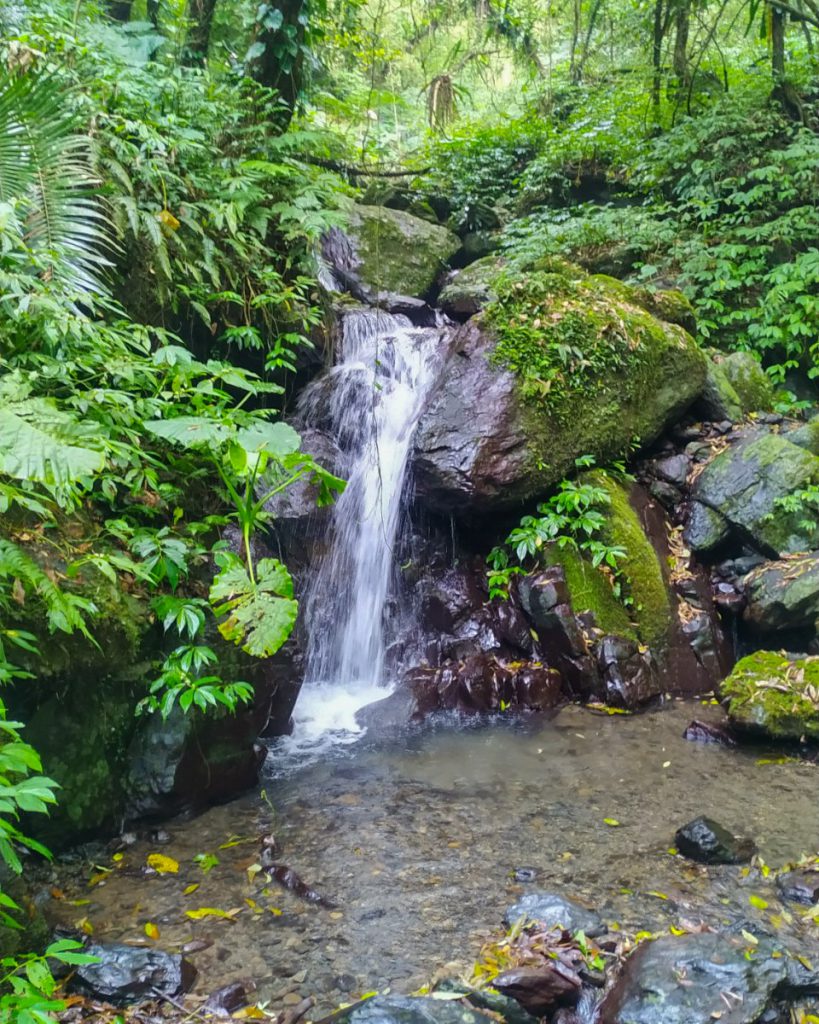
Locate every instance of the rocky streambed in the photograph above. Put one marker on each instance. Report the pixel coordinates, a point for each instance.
(412, 854)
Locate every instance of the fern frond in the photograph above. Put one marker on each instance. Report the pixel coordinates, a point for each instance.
(66, 612)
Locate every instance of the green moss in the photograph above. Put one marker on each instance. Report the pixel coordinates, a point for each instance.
(591, 592)
(399, 252)
(647, 588)
(770, 693)
(749, 380)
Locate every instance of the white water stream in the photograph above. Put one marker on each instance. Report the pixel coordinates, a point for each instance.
(371, 404)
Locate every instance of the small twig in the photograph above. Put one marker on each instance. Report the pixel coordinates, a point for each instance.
(196, 1012)
(297, 1012)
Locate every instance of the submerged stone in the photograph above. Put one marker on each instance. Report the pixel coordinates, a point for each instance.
(705, 840)
(773, 695)
(413, 1010)
(551, 910)
(540, 990)
(130, 974)
(800, 886)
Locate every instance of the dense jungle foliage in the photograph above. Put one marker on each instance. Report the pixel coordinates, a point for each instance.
(167, 170)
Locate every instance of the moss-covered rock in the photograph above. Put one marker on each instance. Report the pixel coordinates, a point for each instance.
(749, 380)
(647, 617)
(471, 288)
(784, 595)
(771, 694)
(557, 367)
(720, 400)
(806, 436)
(399, 252)
(747, 483)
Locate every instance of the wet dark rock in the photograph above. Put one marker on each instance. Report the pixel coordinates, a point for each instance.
(665, 493)
(226, 1000)
(707, 732)
(743, 485)
(705, 528)
(545, 599)
(540, 990)
(296, 507)
(720, 400)
(551, 910)
(524, 874)
(417, 311)
(784, 594)
(706, 841)
(412, 1010)
(448, 598)
(700, 978)
(629, 673)
(486, 999)
(729, 599)
(130, 974)
(801, 886)
(674, 469)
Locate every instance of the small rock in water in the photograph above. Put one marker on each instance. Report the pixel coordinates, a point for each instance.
(131, 974)
(525, 874)
(707, 841)
(800, 886)
(412, 1010)
(540, 990)
(226, 1000)
(550, 910)
(706, 732)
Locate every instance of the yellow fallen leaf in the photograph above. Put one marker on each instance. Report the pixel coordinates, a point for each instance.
(84, 925)
(758, 902)
(162, 865)
(659, 895)
(167, 219)
(752, 939)
(118, 857)
(151, 930)
(190, 888)
(613, 822)
(275, 911)
(197, 915)
(249, 1013)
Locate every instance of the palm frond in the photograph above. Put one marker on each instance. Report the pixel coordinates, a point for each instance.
(46, 167)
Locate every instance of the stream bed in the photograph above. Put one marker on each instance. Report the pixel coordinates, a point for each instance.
(422, 842)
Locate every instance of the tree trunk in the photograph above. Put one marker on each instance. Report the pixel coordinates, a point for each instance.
(153, 12)
(200, 16)
(576, 14)
(279, 46)
(682, 22)
(777, 45)
(657, 57)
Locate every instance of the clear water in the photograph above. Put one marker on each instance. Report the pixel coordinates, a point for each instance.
(371, 405)
(417, 842)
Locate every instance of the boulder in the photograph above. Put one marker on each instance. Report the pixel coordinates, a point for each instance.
(750, 382)
(806, 436)
(708, 732)
(745, 485)
(508, 419)
(540, 990)
(551, 910)
(720, 400)
(708, 842)
(132, 974)
(784, 595)
(296, 507)
(468, 291)
(772, 695)
(397, 252)
(705, 528)
(700, 978)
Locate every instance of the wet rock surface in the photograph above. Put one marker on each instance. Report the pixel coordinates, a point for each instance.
(705, 840)
(551, 910)
(800, 886)
(396, 1009)
(742, 485)
(540, 990)
(128, 974)
(783, 595)
(695, 979)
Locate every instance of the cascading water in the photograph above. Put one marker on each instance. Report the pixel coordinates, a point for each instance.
(370, 402)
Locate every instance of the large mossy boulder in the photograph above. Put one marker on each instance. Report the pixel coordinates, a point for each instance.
(398, 252)
(559, 366)
(471, 289)
(720, 400)
(750, 382)
(773, 695)
(784, 595)
(744, 487)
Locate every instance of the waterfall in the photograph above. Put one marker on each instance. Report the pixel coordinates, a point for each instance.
(370, 401)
